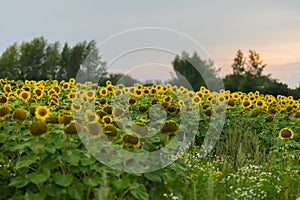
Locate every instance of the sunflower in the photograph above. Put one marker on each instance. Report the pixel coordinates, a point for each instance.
(38, 128)
(132, 101)
(7, 88)
(107, 119)
(111, 132)
(259, 103)
(117, 112)
(231, 103)
(4, 112)
(269, 119)
(286, 133)
(170, 127)
(38, 93)
(72, 81)
(131, 140)
(143, 109)
(66, 86)
(19, 115)
(65, 117)
(76, 107)
(140, 128)
(94, 129)
(3, 100)
(297, 114)
(103, 92)
(89, 116)
(246, 104)
(42, 112)
(72, 129)
(25, 95)
(72, 95)
(107, 109)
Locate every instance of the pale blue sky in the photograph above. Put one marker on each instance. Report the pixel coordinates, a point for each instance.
(271, 27)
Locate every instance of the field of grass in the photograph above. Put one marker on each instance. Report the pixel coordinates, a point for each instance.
(213, 145)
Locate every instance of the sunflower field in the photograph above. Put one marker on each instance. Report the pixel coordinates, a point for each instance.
(53, 135)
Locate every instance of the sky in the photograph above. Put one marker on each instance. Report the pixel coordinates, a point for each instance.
(270, 27)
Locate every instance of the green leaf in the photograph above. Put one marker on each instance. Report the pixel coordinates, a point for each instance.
(76, 192)
(25, 161)
(38, 178)
(91, 181)
(49, 163)
(53, 190)
(85, 161)
(139, 191)
(153, 176)
(71, 157)
(35, 196)
(62, 180)
(121, 183)
(19, 181)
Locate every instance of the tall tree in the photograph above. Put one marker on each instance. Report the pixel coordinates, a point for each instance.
(195, 71)
(9, 62)
(238, 65)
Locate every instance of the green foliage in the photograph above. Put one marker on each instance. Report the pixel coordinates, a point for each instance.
(38, 59)
(195, 71)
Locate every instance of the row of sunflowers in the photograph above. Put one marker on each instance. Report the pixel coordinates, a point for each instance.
(39, 103)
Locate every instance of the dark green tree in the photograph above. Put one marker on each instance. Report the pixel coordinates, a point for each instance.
(9, 62)
(238, 65)
(195, 71)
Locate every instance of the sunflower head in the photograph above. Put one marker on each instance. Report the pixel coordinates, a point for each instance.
(131, 140)
(72, 129)
(38, 128)
(19, 115)
(107, 119)
(286, 133)
(3, 100)
(65, 117)
(111, 132)
(25, 95)
(4, 112)
(90, 116)
(117, 112)
(94, 129)
(42, 112)
(140, 128)
(170, 127)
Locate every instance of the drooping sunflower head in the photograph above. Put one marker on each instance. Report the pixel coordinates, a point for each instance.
(131, 140)
(65, 117)
(94, 129)
(286, 133)
(42, 112)
(139, 128)
(297, 114)
(72, 129)
(170, 127)
(4, 112)
(117, 112)
(269, 119)
(38, 128)
(19, 115)
(111, 132)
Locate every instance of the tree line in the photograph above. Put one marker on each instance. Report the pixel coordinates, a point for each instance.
(40, 60)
